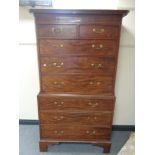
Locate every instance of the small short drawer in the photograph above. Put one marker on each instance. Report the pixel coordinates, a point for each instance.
(46, 102)
(73, 118)
(57, 31)
(74, 132)
(98, 32)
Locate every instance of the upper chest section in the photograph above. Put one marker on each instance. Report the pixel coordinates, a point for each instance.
(78, 24)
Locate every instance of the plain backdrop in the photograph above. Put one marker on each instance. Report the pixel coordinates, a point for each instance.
(29, 76)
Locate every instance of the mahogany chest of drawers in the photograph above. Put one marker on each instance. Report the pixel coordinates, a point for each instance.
(77, 55)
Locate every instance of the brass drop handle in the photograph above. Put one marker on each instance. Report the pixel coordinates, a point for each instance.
(87, 132)
(56, 30)
(58, 103)
(92, 65)
(97, 83)
(93, 118)
(58, 83)
(99, 65)
(61, 103)
(96, 65)
(93, 46)
(59, 118)
(61, 45)
(97, 48)
(98, 30)
(91, 83)
(54, 63)
(55, 102)
(91, 133)
(60, 132)
(55, 82)
(93, 104)
(58, 64)
(58, 45)
(55, 131)
(94, 132)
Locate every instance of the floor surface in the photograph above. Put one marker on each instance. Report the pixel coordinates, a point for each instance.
(29, 137)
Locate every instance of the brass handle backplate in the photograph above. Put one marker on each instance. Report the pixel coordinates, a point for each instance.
(56, 30)
(60, 132)
(58, 45)
(59, 65)
(93, 105)
(91, 132)
(61, 45)
(95, 83)
(98, 30)
(58, 118)
(98, 47)
(59, 84)
(96, 65)
(93, 118)
(58, 103)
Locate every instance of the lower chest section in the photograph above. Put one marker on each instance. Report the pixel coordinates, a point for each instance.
(75, 117)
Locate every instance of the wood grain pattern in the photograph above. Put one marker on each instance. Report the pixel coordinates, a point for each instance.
(78, 19)
(74, 132)
(76, 11)
(79, 84)
(98, 32)
(71, 103)
(77, 64)
(77, 55)
(73, 117)
(77, 47)
(57, 31)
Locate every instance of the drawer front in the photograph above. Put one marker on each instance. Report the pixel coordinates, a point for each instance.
(81, 47)
(89, 84)
(98, 32)
(77, 19)
(69, 132)
(64, 103)
(77, 64)
(73, 118)
(57, 31)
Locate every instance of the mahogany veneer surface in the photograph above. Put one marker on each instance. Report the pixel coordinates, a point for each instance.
(77, 55)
